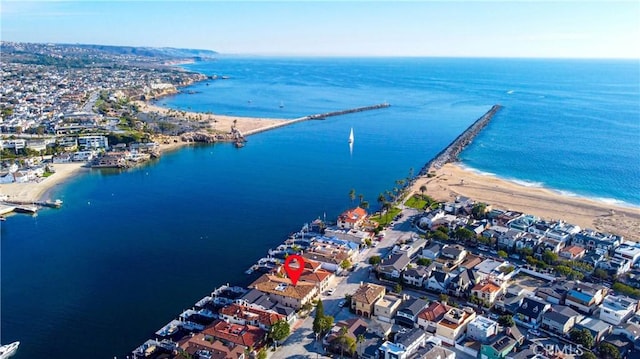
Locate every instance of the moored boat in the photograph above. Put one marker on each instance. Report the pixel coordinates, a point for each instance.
(8, 350)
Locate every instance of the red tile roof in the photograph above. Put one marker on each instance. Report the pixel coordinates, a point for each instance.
(251, 314)
(217, 348)
(434, 312)
(245, 335)
(353, 215)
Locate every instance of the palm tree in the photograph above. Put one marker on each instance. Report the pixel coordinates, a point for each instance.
(361, 198)
(352, 195)
(359, 341)
(423, 189)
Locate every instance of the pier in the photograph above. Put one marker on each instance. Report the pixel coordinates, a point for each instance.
(320, 116)
(451, 152)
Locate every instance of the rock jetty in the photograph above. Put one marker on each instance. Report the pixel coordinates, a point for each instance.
(451, 152)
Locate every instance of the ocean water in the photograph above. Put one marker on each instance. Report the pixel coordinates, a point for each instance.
(129, 251)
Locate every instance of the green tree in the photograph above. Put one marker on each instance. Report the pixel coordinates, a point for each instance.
(317, 325)
(549, 257)
(397, 288)
(423, 261)
(479, 210)
(583, 337)
(440, 235)
(345, 264)
(506, 321)
(423, 189)
(352, 195)
(326, 323)
(608, 351)
(364, 205)
(600, 273)
(361, 198)
(279, 331)
(502, 254)
(443, 298)
(345, 343)
(373, 260)
(464, 234)
(262, 354)
(588, 355)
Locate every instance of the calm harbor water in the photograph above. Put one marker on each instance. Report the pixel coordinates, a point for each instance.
(129, 251)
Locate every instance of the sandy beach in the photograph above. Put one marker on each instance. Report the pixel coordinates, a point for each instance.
(246, 125)
(41, 190)
(453, 180)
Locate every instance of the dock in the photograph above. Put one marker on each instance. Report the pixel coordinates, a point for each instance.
(319, 116)
(27, 206)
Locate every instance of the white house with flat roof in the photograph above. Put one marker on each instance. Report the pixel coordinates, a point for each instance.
(617, 309)
(482, 328)
(632, 253)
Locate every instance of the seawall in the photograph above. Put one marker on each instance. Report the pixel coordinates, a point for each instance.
(451, 152)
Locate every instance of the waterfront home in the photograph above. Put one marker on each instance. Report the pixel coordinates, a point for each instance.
(407, 314)
(590, 239)
(540, 228)
(311, 273)
(487, 292)
(507, 239)
(201, 345)
(404, 345)
(241, 314)
(244, 336)
(598, 328)
(386, 307)
(352, 218)
(523, 222)
(329, 255)
(530, 311)
(365, 297)
(256, 299)
(429, 317)
(560, 319)
(89, 143)
(502, 218)
(282, 291)
(84, 156)
(393, 266)
(549, 244)
(585, 297)
(454, 324)
(62, 158)
(572, 252)
(354, 236)
(629, 252)
(482, 329)
(617, 309)
(111, 160)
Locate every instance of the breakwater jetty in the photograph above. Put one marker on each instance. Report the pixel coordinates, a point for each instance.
(319, 116)
(451, 152)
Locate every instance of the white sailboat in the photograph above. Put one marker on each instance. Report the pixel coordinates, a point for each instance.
(351, 136)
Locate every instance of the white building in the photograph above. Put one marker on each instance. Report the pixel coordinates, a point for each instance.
(616, 309)
(482, 328)
(93, 142)
(626, 251)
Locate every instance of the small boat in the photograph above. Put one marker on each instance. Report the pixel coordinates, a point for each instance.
(351, 136)
(8, 350)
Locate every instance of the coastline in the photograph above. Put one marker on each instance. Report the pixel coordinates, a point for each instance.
(452, 180)
(41, 191)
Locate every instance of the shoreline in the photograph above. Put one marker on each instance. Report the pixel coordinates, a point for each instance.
(41, 191)
(453, 179)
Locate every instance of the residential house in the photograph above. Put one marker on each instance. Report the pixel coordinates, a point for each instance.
(407, 314)
(598, 328)
(431, 218)
(433, 351)
(330, 255)
(431, 315)
(453, 325)
(493, 270)
(585, 297)
(502, 218)
(88, 143)
(404, 345)
(201, 345)
(393, 266)
(256, 299)
(615, 266)
(353, 328)
(509, 303)
(438, 281)
(482, 329)
(455, 254)
(591, 239)
(550, 244)
(528, 241)
(502, 344)
(560, 319)
(617, 309)
(540, 228)
(432, 251)
(523, 223)
(555, 293)
(411, 248)
(629, 252)
(282, 291)
(240, 314)
(508, 239)
(530, 312)
(487, 292)
(572, 253)
(365, 297)
(352, 218)
(631, 331)
(386, 307)
(245, 336)
(625, 346)
(416, 276)
(461, 284)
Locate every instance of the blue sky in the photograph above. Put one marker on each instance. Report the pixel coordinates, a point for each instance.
(602, 29)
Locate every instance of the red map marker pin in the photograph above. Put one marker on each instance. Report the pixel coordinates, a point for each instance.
(292, 272)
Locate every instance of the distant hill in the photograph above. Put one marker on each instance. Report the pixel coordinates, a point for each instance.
(168, 52)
